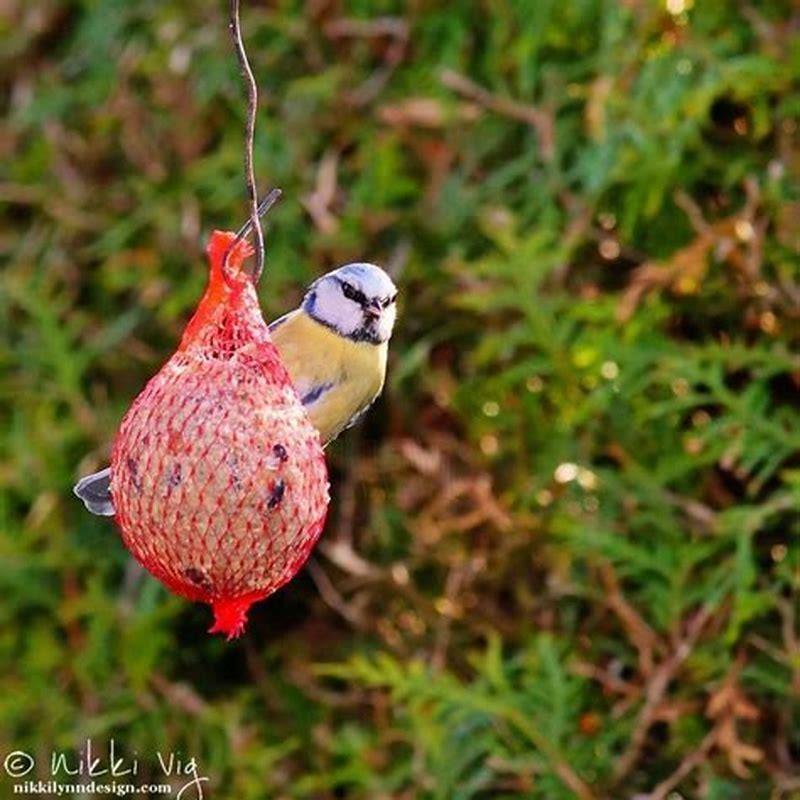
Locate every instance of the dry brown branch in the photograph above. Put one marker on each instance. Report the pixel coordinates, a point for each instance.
(688, 764)
(611, 683)
(180, 695)
(727, 705)
(332, 598)
(453, 584)
(394, 28)
(345, 27)
(703, 516)
(426, 112)
(302, 674)
(791, 640)
(341, 553)
(318, 202)
(643, 637)
(736, 241)
(690, 207)
(542, 121)
(656, 690)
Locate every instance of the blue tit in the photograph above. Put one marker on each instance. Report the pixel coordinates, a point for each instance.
(334, 347)
(335, 344)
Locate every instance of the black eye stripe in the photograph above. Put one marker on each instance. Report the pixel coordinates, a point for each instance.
(351, 293)
(357, 296)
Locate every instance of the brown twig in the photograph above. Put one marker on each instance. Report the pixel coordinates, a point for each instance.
(453, 584)
(318, 202)
(641, 634)
(703, 516)
(538, 119)
(656, 690)
(395, 28)
(791, 639)
(329, 594)
(611, 683)
(692, 209)
(341, 553)
(367, 28)
(180, 695)
(689, 763)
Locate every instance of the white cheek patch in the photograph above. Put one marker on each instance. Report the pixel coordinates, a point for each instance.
(335, 310)
(349, 316)
(387, 322)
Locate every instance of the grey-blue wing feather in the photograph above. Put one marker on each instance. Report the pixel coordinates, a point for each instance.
(312, 395)
(95, 491)
(360, 413)
(278, 322)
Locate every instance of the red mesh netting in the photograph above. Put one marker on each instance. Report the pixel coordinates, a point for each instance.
(218, 477)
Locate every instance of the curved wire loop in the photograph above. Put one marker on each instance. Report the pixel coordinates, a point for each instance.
(254, 223)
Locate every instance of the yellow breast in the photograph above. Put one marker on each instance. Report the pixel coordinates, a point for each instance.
(348, 375)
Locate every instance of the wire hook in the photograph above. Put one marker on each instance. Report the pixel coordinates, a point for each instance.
(264, 206)
(254, 223)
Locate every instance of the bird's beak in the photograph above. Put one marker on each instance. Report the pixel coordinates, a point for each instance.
(373, 309)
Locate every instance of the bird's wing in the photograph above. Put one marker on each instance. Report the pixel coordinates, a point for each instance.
(315, 394)
(95, 491)
(304, 346)
(335, 378)
(361, 411)
(275, 324)
(310, 351)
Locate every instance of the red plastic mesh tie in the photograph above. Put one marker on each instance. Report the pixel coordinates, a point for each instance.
(218, 477)
(230, 616)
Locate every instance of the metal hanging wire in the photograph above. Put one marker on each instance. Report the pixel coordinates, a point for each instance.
(254, 222)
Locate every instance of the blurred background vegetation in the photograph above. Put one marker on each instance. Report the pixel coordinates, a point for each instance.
(562, 558)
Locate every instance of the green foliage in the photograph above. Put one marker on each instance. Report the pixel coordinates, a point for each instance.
(515, 720)
(563, 556)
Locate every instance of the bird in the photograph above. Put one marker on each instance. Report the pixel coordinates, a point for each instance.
(334, 346)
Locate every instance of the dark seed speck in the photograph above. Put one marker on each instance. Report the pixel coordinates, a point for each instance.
(133, 466)
(276, 495)
(175, 476)
(197, 576)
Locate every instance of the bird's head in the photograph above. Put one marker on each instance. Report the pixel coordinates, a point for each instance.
(357, 301)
